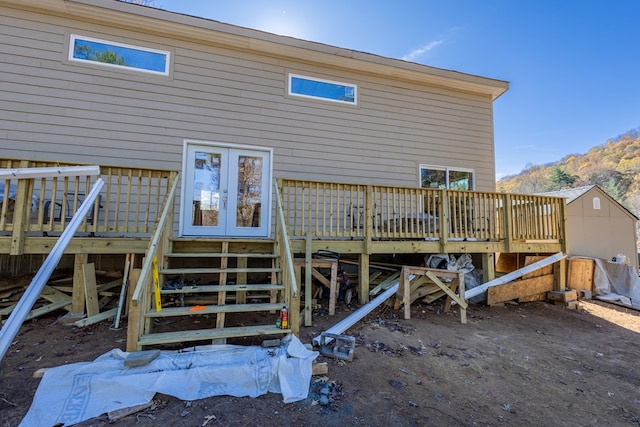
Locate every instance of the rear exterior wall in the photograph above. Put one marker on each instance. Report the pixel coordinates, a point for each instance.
(51, 109)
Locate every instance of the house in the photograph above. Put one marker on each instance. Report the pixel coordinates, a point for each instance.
(598, 226)
(224, 143)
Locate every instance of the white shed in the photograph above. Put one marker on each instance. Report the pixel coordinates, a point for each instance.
(599, 226)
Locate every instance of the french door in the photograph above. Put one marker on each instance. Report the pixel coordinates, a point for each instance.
(226, 191)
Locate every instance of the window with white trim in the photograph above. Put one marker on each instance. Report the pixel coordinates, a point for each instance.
(445, 177)
(327, 90)
(118, 55)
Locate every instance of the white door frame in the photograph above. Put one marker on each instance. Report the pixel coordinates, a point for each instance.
(185, 211)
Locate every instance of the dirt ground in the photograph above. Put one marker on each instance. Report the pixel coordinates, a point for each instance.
(530, 364)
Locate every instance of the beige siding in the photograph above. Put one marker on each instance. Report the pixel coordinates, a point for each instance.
(601, 233)
(55, 110)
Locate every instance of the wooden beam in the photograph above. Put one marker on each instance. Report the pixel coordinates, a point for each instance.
(90, 289)
(77, 296)
(519, 289)
(488, 267)
(363, 276)
(560, 275)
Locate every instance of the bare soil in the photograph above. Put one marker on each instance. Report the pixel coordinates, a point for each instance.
(530, 364)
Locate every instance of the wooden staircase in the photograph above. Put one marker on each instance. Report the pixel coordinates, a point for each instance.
(228, 286)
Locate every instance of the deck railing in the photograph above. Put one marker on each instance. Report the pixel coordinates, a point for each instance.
(147, 289)
(129, 203)
(357, 211)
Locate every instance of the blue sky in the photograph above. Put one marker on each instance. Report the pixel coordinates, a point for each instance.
(573, 65)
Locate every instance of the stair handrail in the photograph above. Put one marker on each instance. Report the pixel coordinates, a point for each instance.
(284, 236)
(144, 280)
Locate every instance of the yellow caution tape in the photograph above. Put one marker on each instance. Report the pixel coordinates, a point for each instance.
(156, 283)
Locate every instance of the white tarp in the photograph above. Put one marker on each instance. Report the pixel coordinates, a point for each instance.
(73, 393)
(616, 281)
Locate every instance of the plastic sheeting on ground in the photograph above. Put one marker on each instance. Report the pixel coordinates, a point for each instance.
(73, 393)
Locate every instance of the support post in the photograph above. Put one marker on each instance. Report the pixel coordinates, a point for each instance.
(363, 277)
(560, 275)
(77, 297)
(488, 267)
(21, 211)
(308, 293)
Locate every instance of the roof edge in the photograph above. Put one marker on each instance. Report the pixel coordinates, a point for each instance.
(127, 15)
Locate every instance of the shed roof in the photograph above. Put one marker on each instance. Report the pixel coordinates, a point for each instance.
(572, 194)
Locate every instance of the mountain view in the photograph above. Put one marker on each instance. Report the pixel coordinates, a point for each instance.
(614, 166)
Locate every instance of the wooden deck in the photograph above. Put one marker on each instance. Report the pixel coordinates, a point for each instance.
(135, 214)
(372, 219)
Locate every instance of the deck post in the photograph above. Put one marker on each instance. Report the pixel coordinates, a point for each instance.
(508, 222)
(443, 210)
(363, 276)
(363, 265)
(308, 281)
(77, 296)
(488, 267)
(560, 275)
(21, 211)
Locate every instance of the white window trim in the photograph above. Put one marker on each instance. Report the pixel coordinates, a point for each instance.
(71, 58)
(447, 169)
(318, 98)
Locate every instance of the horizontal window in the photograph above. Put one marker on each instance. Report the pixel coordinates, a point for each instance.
(443, 177)
(323, 89)
(118, 55)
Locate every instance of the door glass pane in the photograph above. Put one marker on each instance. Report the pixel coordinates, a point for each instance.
(249, 191)
(206, 189)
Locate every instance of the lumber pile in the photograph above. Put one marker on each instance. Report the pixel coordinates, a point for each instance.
(57, 294)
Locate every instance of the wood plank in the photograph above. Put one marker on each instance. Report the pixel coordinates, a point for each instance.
(209, 309)
(90, 289)
(53, 295)
(78, 298)
(385, 284)
(96, 319)
(218, 255)
(201, 270)
(519, 289)
(210, 334)
(528, 260)
(222, 288)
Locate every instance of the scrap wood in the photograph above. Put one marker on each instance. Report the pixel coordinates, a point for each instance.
(376, 265)
(96, 318)
(479, 290)
(118, 414)
(386, 283)
(519, 289)
(528, 260)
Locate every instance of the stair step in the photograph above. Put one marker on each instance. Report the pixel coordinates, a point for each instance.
(219, 255)
(206, 270)
(210, 334)
(211, 309)
(222, 288)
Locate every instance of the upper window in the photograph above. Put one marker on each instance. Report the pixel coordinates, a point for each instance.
(443, 177)
(323, 89)
(113, 54)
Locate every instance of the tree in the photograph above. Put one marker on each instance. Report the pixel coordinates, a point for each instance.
(561, 179)
(106, 56)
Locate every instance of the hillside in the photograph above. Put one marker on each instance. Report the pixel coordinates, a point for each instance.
(614, 166)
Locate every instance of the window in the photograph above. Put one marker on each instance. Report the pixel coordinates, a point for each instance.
(323, 89)
(596, 203)
(118, 55)
(443, 177)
